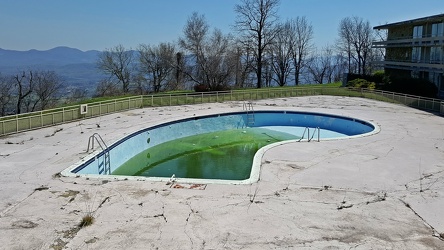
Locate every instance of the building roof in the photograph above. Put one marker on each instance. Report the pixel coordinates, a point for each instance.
(439, 17)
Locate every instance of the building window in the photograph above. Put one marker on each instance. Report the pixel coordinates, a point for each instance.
(437, 29)
(439, 82)
(416, 54)
(436, 78)
(436, 55)
(417, 32)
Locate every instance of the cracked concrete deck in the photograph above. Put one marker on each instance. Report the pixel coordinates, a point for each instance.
(384, 191)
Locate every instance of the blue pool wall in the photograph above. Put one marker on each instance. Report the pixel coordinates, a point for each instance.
(126, 148)
(340, 124)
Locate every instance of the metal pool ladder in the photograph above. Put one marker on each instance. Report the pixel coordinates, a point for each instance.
(104, 166)
(307, 129)
(248, 107)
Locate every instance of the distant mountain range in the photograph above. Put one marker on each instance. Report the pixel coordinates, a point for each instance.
(77, 68)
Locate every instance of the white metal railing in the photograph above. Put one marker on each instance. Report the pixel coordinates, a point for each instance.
(29, 121)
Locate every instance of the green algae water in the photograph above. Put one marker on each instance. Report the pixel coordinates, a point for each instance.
(226, 155)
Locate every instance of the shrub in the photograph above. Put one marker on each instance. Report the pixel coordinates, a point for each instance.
(379, 76)
(201, 88)
(206, 88)
(361, 83)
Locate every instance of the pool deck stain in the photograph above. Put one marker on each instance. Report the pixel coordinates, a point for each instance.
(384, 191)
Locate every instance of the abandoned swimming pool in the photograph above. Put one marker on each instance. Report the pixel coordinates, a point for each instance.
(219, 148)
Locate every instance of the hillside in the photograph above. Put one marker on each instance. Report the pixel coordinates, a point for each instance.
(77, 68)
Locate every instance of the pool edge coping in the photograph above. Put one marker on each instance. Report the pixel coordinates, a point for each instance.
(255, 168)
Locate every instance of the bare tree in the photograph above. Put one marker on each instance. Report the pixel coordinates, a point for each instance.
(321, 66)
(47, 88)
(267, 70)
(23, 87)
(106, 88)
(210, 64)
(117, 62)
(179, 75)
(302, 33)
(256, 22)
(195, 33)
(281, 54)
(340, 67)
(6, 88)
(243, 59)
(380, 35)
(157, 64)
(355, 38)
(77, 94)
(344, 43)
(330, 63)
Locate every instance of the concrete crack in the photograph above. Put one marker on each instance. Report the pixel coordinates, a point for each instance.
(104, 200)
(186, 224)
(162, 214)
(380, 197)
(435, 233)
(4, 212)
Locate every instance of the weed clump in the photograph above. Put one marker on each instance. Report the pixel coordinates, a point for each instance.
(87, 220)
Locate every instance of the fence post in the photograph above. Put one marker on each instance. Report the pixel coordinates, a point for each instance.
(441, 104)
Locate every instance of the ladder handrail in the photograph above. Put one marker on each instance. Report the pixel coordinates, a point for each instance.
(104, 147)
(248, 106)
(97, 137)
(307, 129)
(319, 132)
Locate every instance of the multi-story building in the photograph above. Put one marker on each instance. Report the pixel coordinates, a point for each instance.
(415, 48)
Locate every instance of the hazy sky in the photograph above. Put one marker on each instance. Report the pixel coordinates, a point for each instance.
(101, 24)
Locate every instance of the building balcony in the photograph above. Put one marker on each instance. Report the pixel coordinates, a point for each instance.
(410, 42)
(408, 65)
